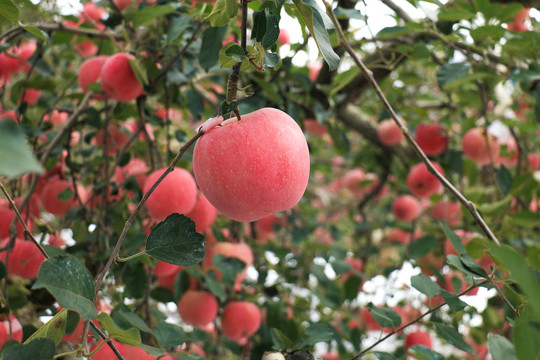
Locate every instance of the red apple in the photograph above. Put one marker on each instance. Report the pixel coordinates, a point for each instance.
(203, 213)
(518, 24)
(118, 79)
(56, 117)
(198, 308)
(406, 208)
(51, 191)
(359, 182)
(255, 167)
(240, 320)
(10, 329)
(24, 260)
(481, 147)
(315, 128)
(128, 351)
(511, 156)
(31, 96)
(421, 182)
(86, 48)
(90, 71)
(398, 236)
(314, 70)
(431, 138)
(329, 356)
(417, 338)
(265, 227)
(177, 193)
(241, 251)
(135, 167)
(283, 37)
(388, 132)
(447, 211)
(116, 138)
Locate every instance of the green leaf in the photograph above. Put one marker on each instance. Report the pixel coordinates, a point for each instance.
(211, 46)
(130, 336)
(272, 60)
(454, 14)
(223, 12)
(315, 23)
(16, 158)
(525, 218)
(154, 351)
(394, 31)
(216, 287)
(504, 180)
(70, 282)
(65, 194)
(526, 334)
(169, 335)
(175, 241)
(425, 285)
(178, 25)
(383, 355)
(451, 72)
(348, 13)
(422, 246)
(35, 31)
(9, 10)
(37, 349)
(453, 301)
(127, 319)
(235, 52)
(453, 337)
(454, 239)
(190, 357)
(317, 333)
(54, 329)
(149, 13)
(139, 71)
(229, 267)
(494, 32)
(385, 317)
(422, 352)
(271, 33)
(501, 348)
(344, 78)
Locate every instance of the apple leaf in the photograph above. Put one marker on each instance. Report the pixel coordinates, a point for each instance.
(70, 282)
(126, 319)
(422, 352)
(451, 72)
(454, 239)
(149, 13)
(9, 10)
(425, 285)
(16, 159)
(453, 301)
(223, 12)
(229, 267)
(383, 355)
(54, 329)
(525, 218)
(504, 180)
(454, 14)
(211, 46)
(169, 335)
(235, 52)
(526, 334)
(317, 333)
(385, 317)
(37, 349)
(501, 348)
(130, 336)
(453, 337)
(175, 241)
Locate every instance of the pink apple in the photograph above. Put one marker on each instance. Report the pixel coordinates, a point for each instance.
(417, 338)
(406, 208)
(421, 182)
(397, 236)
(431, 138)
(86, 48)
(128, 351)
(389, 133)
(313, 127)
(198, 308)
(255, 167)
(10, 329)
(240, 320)
(359, 182)
(116, 138)
(118, 79)
(90, 71)
(481, 147)
(58, 207)
(265, 227)
(241, 251)
(56, 117)
(284, 37)
(135, 167)
(203, 213)
(24, 260)
(31, 96)
(177, 193)
(314, 70)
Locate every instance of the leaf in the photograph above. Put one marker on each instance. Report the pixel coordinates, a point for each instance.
(271, 60)
(149, 13)
(501, 348)
(229, 267)
(211, 46)
(453, 301)
(37, 349)
(453, 337)
(54, 329)
(454, 239)
(504, 180)
(16, 158)
(451, 72)
(138, 71)
(422, 246)
(314, 22)
(9, 10)
(235, 52)
(169, 335)
(35, 31)
(383, 356)
(349, 13)
(425, 285)
(128, 319)
(223, 12)
(271, 33)
(154, 351)
(385, 317)
(454, 14)
(317, 333)
(130, 336)
(526, 334)
(178, 25)
(525, 218)
(393, 31)
(422, 352)
(494, 32)
(70, 282)
(175, 241)
(216, 287)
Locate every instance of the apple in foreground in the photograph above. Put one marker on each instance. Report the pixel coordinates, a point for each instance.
(198, 308)
(240, 320)
(118, 79)
(254, 167)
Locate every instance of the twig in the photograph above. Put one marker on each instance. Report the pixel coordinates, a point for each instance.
(447, 184)
(399, 11)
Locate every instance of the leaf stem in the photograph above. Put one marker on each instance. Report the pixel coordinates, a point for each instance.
(120, 259)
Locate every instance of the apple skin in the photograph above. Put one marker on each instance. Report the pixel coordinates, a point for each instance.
(198, 308)
(118, 79)
(50, 201)
(421, 182)
(406, 208)
(481, 150)
(283, 37)
(177, 193)
(90, 71)
(240, 320)
(24, 260)
(447, 211)
(431, 138)
(389, 133)
(128, 351)
(240, 250)
(255, 167)
(16, 329)
(203, 213)
(417, 338)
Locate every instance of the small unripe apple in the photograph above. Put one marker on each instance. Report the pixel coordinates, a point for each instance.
(421, 182)
(7, 322)
(254, 167)
(389, 132)
(406, 208)
(482, 148)
(240, 320)
(24, 260)
(198, 308)
(203, 213)
(177, 193)
(431, 138)
(56, 206)
(90, 71)
(118, 79)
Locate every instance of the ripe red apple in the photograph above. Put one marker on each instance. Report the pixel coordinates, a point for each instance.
(431, 138)
(118, 79)
(115, 137)
(482, 148)
(314, 70)
(93, 14)
(203, 213)
(24, 260)
(421, 182)
(86, 48)
(177, 193)
(388, 132)
(135, 167)
(240, 320)
(284, 37)
(417, 338)
(329, 356)
(90, 71)
(447, 211)
(359, 182)
(51, 191)
(518, 24)
(28, 214)
(128, 351)
(198, 308)
(255, 167)
(406, 208)
(265, 227)
(7, 323)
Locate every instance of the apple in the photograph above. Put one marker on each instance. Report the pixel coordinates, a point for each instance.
(56, 117)
(241, 251)
(90, 71)
(481, 147)
(203, 213)
(431, 138)
(518, 24)
(359, 182)
(447, 211)
(329, 356)
(266, 226)
(93, 14)
(389, 133)
(31, 96)
(29, 213)
(254, 167)
(118, 79)
(10, 329)
(406, 208)
(417, 338)
(177, 193)
(135, 167)
(315, 128)
(421, 182)
(283, 37)
(314, 70)
(116, 138)
(127, 351)
(511, 156)
(397, 236)
(24, 260)
(240, 320)
(198, 308)
(56, 206)
(86, 48)
(430, 263)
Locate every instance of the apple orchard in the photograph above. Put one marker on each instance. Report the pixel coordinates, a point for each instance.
(269, 180)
